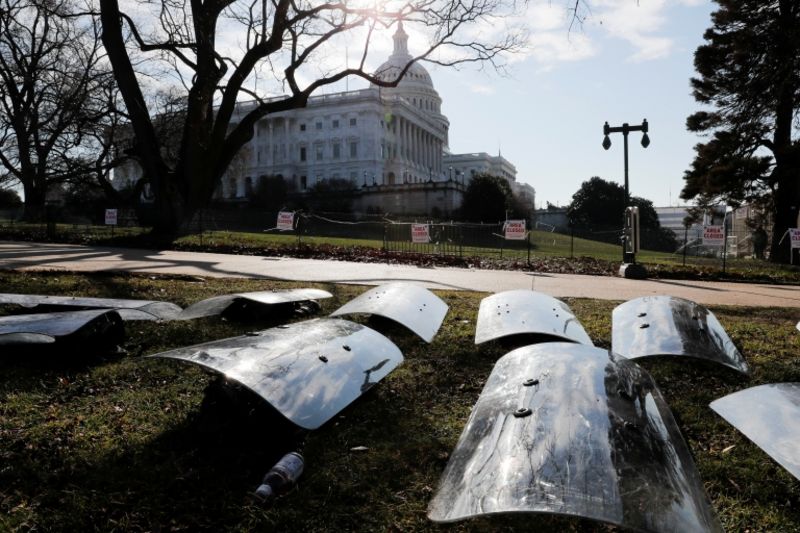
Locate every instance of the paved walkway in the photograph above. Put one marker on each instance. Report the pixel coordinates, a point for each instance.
(35, 256)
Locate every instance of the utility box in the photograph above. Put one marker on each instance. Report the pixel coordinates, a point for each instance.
(632, 239)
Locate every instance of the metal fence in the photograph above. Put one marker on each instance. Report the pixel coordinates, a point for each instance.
(394, 235)
(455, 239)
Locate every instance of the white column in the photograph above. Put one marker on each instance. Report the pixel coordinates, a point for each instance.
(417, 150)
(429, 150)
(408, 142)
(403, 141)
(423, 139)
(425, 154)
(439, 155)
(268, 158)
(436, 154)
(411, 143)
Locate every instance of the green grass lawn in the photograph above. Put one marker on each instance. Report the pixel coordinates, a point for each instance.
(272, 239)
(544, 245)
(121, 442)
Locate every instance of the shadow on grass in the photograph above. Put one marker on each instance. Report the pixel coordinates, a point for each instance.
(196, 475)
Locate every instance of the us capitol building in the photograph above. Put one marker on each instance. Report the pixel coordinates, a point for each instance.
(391, 144)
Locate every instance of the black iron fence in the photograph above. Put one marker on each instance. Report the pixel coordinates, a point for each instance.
(443, 237)
(456, 239)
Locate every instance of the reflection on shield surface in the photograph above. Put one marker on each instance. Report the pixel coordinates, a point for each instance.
(157, 310)
(307, 371)
(530, 313)
(218, 304)
(96, 327)
(655, 326)
(769, 415)
(127, 309)
(413, 306)
(567, 429)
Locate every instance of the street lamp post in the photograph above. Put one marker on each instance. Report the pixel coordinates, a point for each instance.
(627, 257)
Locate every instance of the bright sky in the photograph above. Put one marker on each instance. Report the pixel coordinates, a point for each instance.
(626, 63)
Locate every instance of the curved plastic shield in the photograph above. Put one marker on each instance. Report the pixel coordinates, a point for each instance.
(48, 327)
(655, 326)
(128, 309)
(415, 307)
(769, 415)
(308, 371)
(218, 304)
(563, 428)
(530, 313)
(12, 339)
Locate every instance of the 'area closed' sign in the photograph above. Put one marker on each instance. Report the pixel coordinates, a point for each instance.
(515, 230)
(286, 220)
(713, 236)
(420, 233)
(794, 236)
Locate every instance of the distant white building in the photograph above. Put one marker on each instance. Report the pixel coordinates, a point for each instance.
(465, 166)
(672, 218)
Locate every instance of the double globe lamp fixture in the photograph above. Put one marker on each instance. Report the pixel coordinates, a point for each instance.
(625, 129)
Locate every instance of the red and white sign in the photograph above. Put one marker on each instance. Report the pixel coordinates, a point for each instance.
(713, 236)
(285, 220)
(111, 217)
(515, 230)
(794, 236)
(420, 233)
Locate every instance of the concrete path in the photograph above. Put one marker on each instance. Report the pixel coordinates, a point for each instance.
(35, 256)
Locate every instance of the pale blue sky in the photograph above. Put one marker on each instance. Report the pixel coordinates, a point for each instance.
(625, 63)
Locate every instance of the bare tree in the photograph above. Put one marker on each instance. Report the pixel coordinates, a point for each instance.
(285, 40)
(53, 96)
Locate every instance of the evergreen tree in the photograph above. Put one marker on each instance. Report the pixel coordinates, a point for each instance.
(749, 77)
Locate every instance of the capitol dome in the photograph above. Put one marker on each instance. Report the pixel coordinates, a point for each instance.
(416, 87)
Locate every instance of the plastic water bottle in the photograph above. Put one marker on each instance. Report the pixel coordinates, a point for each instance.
(280, 478)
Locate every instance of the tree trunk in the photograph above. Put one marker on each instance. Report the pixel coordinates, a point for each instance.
(786, 153)
(170, 208)
(34, 203)
(787, 203)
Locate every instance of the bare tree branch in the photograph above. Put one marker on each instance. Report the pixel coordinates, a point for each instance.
(52, 69)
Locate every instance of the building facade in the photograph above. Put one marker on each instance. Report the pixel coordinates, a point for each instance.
(369, 137)
(465, 166)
